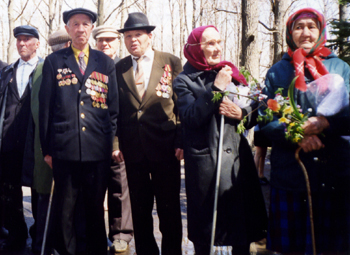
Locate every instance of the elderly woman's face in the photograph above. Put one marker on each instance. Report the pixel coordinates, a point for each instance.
(210, 45)
(305, 33)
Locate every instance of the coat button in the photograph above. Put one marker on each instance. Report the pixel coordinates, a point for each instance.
(83, 128)
(228, 150)
(82, 116)
(81, 103)
(79, 91)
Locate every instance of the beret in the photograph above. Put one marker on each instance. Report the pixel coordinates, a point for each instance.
(60, 36)
(68, 14)
(105, 31)
(25, 30)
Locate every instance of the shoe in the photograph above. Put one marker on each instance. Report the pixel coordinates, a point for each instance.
(119, 245)
(263, 181)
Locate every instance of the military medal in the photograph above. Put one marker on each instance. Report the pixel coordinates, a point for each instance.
(59, 75)
(88, 91)
(68, 82)
(74, 80)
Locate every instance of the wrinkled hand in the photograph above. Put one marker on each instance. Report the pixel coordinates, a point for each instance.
(48, 160)
(117, 156)
(311, 143)
(179, 154)
(230, 109)
(223, 78)
(315, 125)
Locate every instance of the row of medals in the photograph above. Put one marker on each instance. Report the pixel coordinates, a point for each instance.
(163, 88)
(98, 92)
(66, 79)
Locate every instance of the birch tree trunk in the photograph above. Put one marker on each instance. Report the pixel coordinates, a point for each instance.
(100, 13)
(171, 8)
(250, 47)
(279, 10)
(11, 42)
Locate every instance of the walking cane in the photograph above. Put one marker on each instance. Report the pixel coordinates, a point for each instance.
(218, 172)
(309, 198)
(47, 218)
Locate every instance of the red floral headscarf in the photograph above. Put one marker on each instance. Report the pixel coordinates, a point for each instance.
(195, 55)
(311, 60)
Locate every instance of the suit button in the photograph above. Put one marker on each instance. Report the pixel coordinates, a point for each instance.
(140, 111)
(83, 128)
(81, 103)
(82, 116)
(79, 91)
(228, 150)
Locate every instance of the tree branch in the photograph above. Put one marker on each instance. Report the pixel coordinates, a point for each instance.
(270, 29)
(22, 10)
(220, 10)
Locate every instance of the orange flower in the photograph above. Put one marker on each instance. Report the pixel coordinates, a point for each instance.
(273, 105)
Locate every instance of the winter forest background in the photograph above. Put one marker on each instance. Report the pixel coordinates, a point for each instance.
(253, 30)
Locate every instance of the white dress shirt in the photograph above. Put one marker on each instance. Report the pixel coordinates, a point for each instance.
(146, 63)
(24, 69)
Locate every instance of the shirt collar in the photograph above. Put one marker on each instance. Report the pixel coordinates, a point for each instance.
(76, 51)
(31, 61)
(148, 54)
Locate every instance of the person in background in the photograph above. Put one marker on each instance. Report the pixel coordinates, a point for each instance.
(241, 214)
(149, 137)
(78, 109)
(37, 174)
(119, 207)
(15, 86)
(325, 153)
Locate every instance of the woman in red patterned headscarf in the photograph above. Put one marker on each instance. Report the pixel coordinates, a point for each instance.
(325, 152)
(241, 214)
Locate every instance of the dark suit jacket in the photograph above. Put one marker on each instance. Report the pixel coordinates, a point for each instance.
(71, 128)
(149, 127)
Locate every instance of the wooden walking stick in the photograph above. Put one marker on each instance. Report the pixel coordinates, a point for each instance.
(217, 184)
(309, 198)
(47, 218)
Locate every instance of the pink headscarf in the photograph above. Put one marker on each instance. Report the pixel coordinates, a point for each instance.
(196, 58)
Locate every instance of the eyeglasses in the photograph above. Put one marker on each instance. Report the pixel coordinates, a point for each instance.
(210, 43)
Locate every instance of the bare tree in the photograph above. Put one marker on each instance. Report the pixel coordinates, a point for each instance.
(172, 14)
(11, 42)
(100, 12)
(193, 14)
(250, 48)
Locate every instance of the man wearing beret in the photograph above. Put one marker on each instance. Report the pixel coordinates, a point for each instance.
(119, 207)
(37, 174)
(149, 137)
(78, 108)
(15, 90)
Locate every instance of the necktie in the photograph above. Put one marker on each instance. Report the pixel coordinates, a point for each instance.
(82, 64)
(139, 78)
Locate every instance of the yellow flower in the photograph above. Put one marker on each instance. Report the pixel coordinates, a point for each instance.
(283, 120)
(288, 110)
(302, 115)
(292, 124)
(296, 139)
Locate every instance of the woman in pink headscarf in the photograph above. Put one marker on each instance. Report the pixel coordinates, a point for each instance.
(241, 217)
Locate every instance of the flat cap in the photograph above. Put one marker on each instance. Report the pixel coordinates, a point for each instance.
(60, 36)
(68, 14)
(105, 31)
(25, 30)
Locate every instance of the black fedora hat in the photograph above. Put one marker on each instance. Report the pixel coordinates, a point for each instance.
(137, 21)
(68, 14)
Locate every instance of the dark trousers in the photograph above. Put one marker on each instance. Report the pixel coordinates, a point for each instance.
(160, 180)
(86, 181)
(119, 207)
(10, 180)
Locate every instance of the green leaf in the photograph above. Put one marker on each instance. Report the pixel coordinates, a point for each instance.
(291, 98)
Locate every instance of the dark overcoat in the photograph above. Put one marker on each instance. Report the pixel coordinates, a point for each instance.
(241, 216)
(73, 123)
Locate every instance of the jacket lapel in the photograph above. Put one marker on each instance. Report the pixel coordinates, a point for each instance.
(71, 62)
(128, 75)
(156, 74)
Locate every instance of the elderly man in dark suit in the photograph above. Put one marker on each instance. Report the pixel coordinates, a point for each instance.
(149, 137)
(15, 89)
(78, 107)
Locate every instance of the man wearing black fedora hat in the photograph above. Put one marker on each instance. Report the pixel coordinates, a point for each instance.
(149, 137)
(78, 108)
(15, 90)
